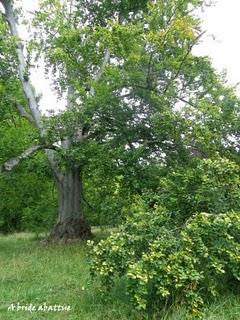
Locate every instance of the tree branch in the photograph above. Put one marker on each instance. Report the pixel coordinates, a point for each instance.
(25, 114)
(101, 70)
(11, 163)
(182, 62)
(190, 103)
(27, 88)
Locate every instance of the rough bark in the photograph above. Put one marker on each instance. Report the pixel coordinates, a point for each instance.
(71, 223)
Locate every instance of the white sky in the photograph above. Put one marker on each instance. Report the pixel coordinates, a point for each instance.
(221, 20)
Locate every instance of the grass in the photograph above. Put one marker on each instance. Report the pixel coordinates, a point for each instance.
(59, 274)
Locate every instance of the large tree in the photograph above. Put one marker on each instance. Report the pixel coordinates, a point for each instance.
(134, 90)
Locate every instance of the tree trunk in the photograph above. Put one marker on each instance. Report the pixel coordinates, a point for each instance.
(71, 222)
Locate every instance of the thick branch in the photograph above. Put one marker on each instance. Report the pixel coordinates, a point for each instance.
(105, 62)
(25, 114)
(11, 163)
(101, 70)
(27, 88)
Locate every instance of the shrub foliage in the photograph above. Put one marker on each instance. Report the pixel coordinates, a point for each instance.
(164, 263)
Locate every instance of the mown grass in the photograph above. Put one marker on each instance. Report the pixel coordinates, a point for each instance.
(31, 273)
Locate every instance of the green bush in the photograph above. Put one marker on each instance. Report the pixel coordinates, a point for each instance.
(28, 199)
(207, 185)
(40, 217)
(164, 264)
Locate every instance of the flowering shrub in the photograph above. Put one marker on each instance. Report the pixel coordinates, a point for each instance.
(163, 263)
(113, 255)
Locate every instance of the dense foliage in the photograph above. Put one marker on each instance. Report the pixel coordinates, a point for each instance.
(28, 198)
(164, 263)
(208, 185)
(168, 250)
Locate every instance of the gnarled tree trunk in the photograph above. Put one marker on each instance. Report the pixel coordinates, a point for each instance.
(71, 222)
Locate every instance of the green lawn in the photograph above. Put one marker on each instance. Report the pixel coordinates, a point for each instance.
(58, 275)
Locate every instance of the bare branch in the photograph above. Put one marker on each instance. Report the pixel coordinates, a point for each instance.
(25, 114)
(105, 62)
(27, 88)
(10, 164)
(101, 70)
(183, 61)
(187, 102)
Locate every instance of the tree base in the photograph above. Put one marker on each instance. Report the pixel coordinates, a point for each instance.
(71, 229)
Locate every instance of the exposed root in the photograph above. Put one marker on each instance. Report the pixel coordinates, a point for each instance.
(70, 230)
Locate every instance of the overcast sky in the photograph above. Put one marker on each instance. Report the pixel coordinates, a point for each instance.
(221, 20)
